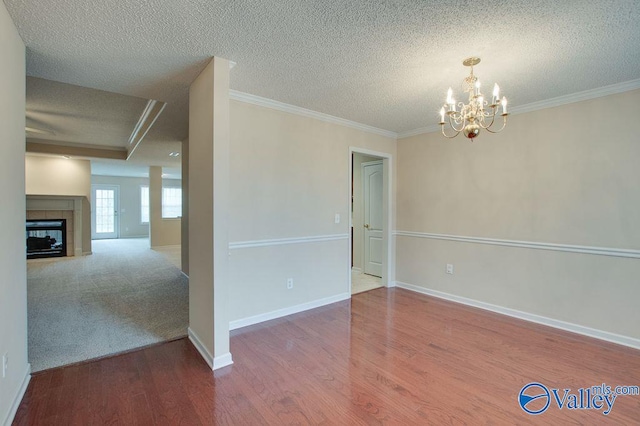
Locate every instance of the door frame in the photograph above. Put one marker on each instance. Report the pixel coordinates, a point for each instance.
(116, 223)
(388, 267)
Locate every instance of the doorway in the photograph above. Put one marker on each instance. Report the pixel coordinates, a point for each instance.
(370, 220)
(105, 200)
(372, 174)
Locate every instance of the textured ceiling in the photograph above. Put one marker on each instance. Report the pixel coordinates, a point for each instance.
(68, 113)
(382, 63)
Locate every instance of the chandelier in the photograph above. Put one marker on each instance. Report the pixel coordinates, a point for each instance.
(478, 113)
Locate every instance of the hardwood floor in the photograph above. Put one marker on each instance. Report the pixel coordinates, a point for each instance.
(387, 356)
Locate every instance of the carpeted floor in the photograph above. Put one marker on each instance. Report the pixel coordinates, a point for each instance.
(121, 297)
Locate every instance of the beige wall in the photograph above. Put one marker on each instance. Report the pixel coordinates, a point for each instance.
(566, 175)
(59, 176)
(129, 213)
(289, 177)
(13, 284)
(163, 232)
(209, 210)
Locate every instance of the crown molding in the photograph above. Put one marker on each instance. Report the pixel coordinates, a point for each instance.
(151, 112)
(292, 109)
(585, 95)
(419, 131)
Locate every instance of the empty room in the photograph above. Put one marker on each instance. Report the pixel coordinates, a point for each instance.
(380, 212)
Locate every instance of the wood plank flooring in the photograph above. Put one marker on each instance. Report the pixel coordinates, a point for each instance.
(388, 356)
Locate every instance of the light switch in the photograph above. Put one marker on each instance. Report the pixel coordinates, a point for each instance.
(337, 217)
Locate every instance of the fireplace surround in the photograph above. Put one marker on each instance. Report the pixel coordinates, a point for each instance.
(74, 209)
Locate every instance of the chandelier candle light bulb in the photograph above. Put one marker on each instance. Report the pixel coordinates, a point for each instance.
(477, 114)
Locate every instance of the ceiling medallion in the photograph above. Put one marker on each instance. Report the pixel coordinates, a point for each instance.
(478, 113)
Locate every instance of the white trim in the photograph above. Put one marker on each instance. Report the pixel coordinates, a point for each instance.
(538, 319)
(281, 241)
(292, 109)
(602, 251)
(419, 131)
(585, 95)
(256, 319)
(185, 275)
(18, 398)
(222, 361)
(356, 270)
(150, 114)
(204, 352)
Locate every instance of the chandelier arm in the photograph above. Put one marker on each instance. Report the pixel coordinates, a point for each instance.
(504, 123)
(493, 117)
(451, 121)
(445, 135)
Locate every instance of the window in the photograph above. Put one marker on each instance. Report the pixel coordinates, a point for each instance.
(144, 204)
(171, 202)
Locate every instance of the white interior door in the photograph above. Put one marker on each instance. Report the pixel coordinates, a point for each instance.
(104, 211)
(372, 182)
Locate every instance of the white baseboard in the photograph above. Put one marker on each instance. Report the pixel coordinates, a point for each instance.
(356, 270)
(18, 398)
(214, 363)
(244, 322)
(204, 352)
(538, 319)
(222, 361)
(185, 275)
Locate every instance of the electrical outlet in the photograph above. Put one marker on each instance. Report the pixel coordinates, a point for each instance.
(289, 283)
(5, 364)
(449, 268)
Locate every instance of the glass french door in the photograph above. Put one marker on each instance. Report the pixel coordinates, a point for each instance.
(104, 211)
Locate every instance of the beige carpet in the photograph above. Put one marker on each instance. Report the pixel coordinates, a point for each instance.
(121, 297)
(172, 253)
(363, 282)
